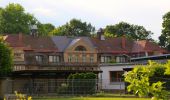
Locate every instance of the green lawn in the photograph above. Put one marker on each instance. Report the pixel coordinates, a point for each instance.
(96, 98)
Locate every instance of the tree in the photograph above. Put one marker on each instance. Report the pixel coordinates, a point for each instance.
(129, 30)
(59, 31)
(45, 29)
(141, 80)
(13, 19)
(5, 59)
(74, 27)
(164, 39)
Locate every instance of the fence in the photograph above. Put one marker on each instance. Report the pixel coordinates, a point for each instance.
(38, 87)
(65, 87)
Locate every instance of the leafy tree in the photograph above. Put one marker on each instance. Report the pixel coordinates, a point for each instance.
(129, 30)
(45, 29)
(74, 27)
(5, 59)
(164, 39)
(141, 80)
(13, 19)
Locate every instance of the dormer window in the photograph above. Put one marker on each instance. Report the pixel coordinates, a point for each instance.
(80, 48)
(17, 55)
(54, 59)
(39, 58)
(120, 59)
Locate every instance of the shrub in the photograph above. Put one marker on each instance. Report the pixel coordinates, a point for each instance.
(82, 83)
(142, 80)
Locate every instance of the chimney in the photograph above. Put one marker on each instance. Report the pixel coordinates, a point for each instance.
(20, 37)
(123, 42)
(100, 34)
(34, 29)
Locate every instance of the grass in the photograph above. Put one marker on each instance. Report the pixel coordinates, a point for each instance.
(95, 98)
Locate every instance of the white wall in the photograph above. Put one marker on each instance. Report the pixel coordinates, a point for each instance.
(105, 76)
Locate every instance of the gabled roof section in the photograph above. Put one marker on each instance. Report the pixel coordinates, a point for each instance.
(64, 42)
(61, 42)
(77, 39)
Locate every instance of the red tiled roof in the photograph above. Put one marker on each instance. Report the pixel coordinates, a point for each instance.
(109, 45)
(14, 41)
(145, 45)
(38, 44)
(112, 45)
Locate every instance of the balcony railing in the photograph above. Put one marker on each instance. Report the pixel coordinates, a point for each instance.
(44, 64)
(143, 62)
(57, 68)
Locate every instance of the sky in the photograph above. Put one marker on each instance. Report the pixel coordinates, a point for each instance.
(99, 13)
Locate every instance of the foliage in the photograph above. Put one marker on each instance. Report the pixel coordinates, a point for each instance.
(158, 91)
(140, 83)
(164, 39)
(82, 83)
(13, 19)
(59, 31)
(22, 96)
(45, 29)
(74, 27)
(63, 89)
(5, 59)
(129, 30)
(93, 98)
(167, 65)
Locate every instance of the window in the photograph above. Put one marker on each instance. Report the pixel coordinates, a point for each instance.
(76, 58)
(39, 58)
(80, 48)
(17, 54)
(54, 59)
(105, 59)
(83, 58)
(69, 58)
(116, 76)
(102, 59)
(91, 58)
(120, 59)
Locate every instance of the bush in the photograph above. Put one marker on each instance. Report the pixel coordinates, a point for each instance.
(142, 80)
(82, 83)
(63, 89)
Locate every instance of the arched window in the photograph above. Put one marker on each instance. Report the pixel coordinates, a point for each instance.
(80, 48)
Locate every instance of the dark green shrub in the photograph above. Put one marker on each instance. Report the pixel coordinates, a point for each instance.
(82, 83)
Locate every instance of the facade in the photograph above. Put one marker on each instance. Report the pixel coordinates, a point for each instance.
(51, 58)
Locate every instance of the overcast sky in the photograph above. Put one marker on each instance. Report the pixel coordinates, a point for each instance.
(99, 13)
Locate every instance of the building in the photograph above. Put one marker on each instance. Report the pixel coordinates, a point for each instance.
(112, 73)
(48, 59)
